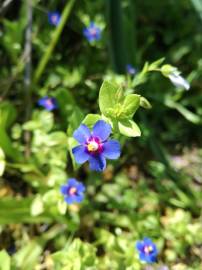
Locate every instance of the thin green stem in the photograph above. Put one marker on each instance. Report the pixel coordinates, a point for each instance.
(48, 53)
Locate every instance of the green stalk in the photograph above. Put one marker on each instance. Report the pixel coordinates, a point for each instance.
(56, 34)
(117, 41)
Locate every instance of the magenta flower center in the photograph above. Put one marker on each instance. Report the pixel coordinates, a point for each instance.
(54, 18)
(72, 191)
(94, 145)
(148, 249)
(49, 102)
(93, 32)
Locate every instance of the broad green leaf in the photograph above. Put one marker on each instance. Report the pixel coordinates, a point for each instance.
(28, 256)
(62, 206)
(19, 211)
(130, 105)
(2, 162)
(5, 260)
(109, 96)
(7, 114)
(129, 128)
(145, 103)
(6, 145)
(37, 206)
(42, 120)
(91, 119)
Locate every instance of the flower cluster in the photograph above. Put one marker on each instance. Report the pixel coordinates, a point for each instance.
(147, 250)
(95, 146)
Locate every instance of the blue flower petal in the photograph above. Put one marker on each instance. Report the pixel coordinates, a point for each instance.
(64, 189)
(82, 134)
(147, 241)
(79, 198)
(97, 163)
(143, 257)
(139, 245)
(72, 182)
(111, 149)
(80, 154)
(81, 187)
(101, 130)
(70, 199)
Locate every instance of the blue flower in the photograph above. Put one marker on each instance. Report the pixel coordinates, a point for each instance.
(54, 18)
(130, 69)
(73, 191)
(92, 32)
(147, 250)
(49, 103)
(95, 146)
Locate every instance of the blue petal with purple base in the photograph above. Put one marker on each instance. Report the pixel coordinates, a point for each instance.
(92, 32)
(49, 103)
(95, 146)
(73, 191)
(54, 18)
(147, 250)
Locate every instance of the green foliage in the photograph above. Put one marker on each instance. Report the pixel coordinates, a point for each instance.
(4, 260)
(154, 189)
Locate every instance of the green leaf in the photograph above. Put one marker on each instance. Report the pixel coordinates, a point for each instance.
(130, 105)
(62, 206)
(75, 120)
(2, 162)
(6, 145)
(145, 103)
(7, 114)
(37, 206)
(156, 64)
(91, 119)
(5, 260)
(190, 116)
(27, 257)
(129, 128)
(109, 96)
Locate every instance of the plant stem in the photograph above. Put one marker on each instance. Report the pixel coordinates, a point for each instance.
(27, 76)
(48, 53)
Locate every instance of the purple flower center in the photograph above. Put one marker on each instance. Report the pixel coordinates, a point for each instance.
(147, 249)
(94, 145)
(93, 32)
(54, 18)
(72, 191)
(49, 102)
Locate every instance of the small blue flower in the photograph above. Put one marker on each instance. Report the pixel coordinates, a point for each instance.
(147, 250)
(92, 32)
(73, 191)
(95, 146)
(49, 103)
(54, 18)
(130, 69)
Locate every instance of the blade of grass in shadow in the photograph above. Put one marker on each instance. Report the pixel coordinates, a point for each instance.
(129, 24)
(117, 41)
(47, 55)
(198, 7)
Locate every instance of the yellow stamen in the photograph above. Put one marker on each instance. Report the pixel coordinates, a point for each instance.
(72, 190)
(148, 249)
(92, 146)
